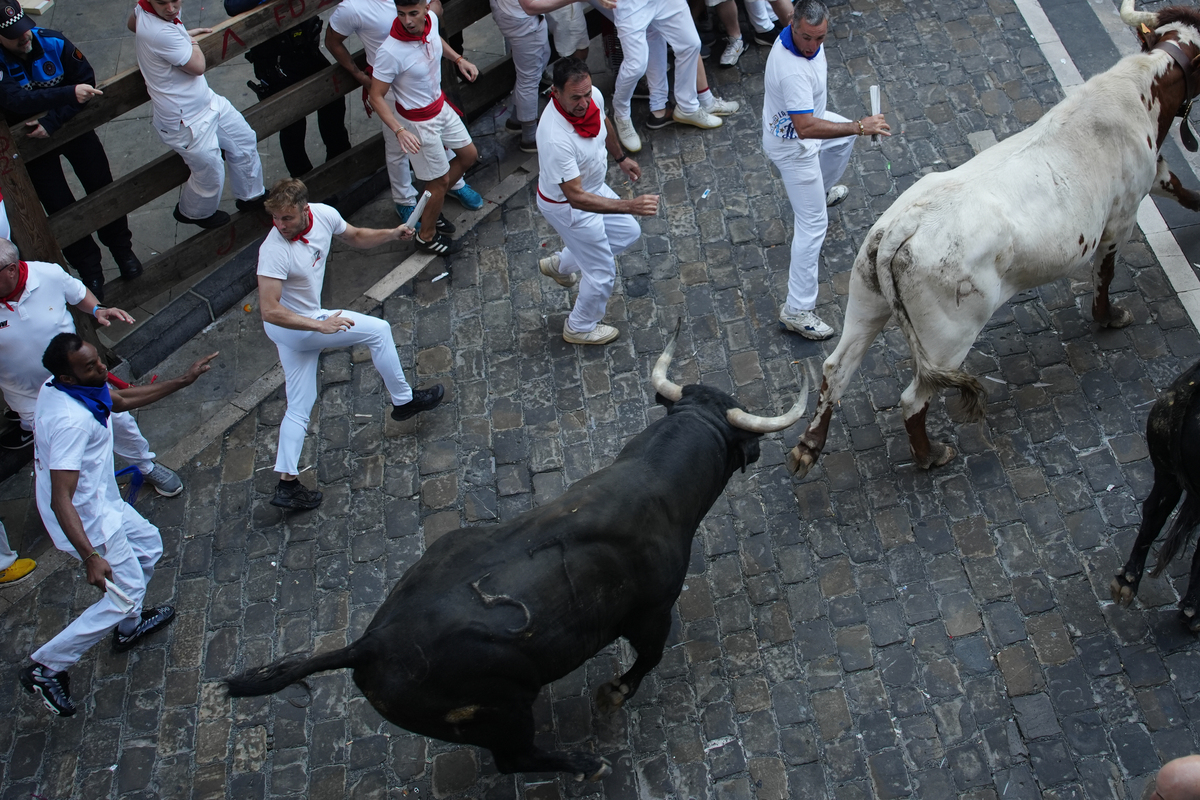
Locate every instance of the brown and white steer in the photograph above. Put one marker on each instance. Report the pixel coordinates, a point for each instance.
(1034, 208)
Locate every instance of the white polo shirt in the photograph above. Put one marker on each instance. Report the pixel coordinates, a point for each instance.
(412, 68)
(512, 20)
(564, 155)
(67, 437)
(301, 264)
(162, 47)
(792, 84)
(370, 20)
(40, 314)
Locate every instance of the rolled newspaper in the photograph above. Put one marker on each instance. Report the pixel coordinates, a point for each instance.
(418, 209)
(118, 597)
(874, 110)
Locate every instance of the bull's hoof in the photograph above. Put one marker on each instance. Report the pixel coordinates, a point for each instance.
(1187, 614)
(940, 454)
(1123, 588)
(800, 460)
(603, 770)
(1117, 317)
(611, 696)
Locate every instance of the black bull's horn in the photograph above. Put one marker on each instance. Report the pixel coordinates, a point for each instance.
(736, 416)
(1135, 18)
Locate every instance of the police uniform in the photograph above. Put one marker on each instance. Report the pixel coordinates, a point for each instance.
(44, 81)
(287, 59)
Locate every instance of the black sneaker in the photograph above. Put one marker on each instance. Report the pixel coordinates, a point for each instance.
(767, 38)
(654, 123)
(215, 220)
(11, 415)
(295, 495)
(512, 124)
(422, 400)
(440, 245)
(54, 689)
(153, 620)
(16, 438)
(129, 264)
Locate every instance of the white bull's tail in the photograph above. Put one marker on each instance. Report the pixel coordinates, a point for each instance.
(887, 257)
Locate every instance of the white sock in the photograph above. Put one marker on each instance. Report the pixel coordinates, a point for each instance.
(706, 99)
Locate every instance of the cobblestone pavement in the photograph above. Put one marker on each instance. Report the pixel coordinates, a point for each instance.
(874, 631)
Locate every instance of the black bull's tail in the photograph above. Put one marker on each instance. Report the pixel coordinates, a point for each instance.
(273, 677)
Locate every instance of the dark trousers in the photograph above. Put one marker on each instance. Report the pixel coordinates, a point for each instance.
(331, 118)
(87, 157)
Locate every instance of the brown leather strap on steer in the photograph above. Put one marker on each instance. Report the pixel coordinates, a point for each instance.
(1176, 52)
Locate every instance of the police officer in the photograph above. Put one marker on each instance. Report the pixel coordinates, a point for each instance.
(43, 72)
(282, 61)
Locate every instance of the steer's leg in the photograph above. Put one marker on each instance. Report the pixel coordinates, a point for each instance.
(1167, 185)
(509, 736)
(1158, 506)
(866, 314)
(1103, 310)
(647, 631)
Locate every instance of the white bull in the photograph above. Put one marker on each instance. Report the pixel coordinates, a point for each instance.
(1036, 207)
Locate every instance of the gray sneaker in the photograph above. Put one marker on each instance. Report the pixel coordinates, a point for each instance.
(164, 481)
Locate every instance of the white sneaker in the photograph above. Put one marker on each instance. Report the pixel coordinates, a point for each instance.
(836, 195)
(733, 51)
(549, 267)
(700, 118)
(722, 108)
(805, 323)
(627, 135)
(601, 334)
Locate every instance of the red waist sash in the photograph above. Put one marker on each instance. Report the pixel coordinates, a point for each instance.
(548, 200)
(426, 112)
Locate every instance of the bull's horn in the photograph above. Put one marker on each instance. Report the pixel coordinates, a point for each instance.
(658, 378)
(756, 424)
(1134, 18)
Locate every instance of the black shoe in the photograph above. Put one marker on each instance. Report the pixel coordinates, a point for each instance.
(16, 438)
(254, 204)
(512, 124)
(443, 225)
(528, 147)
(11, 415)
(54, 689)
(153, 620)
(216, 220)
(295, 495)
(440, 245)
(767, 38)
(655, 123)
(422, 400)
(705, 50)
(129, 264)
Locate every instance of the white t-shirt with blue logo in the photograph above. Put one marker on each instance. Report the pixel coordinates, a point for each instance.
(792, 84)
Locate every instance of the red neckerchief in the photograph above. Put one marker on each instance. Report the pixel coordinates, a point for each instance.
(149, 9)
(15, 294)
(588, 126)
(398, 31)
(299, 237)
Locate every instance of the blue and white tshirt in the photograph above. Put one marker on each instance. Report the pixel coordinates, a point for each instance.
(792, 84)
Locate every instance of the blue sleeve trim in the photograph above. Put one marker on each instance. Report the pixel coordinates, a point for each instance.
(805, 111)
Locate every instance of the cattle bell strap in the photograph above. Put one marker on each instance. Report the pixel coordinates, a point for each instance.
(1185, 66)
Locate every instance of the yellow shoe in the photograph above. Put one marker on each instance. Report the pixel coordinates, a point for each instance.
(18, 572)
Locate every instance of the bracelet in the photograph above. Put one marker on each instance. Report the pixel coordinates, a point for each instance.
(93, 553)
(624, 157)
(401, 130)
(96, 308)
(460, 58)
(861, 130)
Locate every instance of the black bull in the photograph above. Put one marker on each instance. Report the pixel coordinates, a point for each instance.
(469, 635)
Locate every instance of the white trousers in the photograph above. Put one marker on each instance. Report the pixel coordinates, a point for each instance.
(569, 29)
(591, 243)
(761, 15)
(807, 176)
(132, 553)
(530, 54)
(7, 555)
(200, 145)
(300, 352)
(673, 21)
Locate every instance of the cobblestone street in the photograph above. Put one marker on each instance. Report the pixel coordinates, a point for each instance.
(873, 631)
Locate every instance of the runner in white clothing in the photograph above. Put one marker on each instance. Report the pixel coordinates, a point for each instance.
(407, 82)
(84, 513)
(371, 21)
(594, 223)
(811, 147)
(192, 119)
(530, 45)
(291, 272)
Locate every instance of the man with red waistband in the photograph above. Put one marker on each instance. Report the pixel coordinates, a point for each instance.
(594, 223)
(408, 69)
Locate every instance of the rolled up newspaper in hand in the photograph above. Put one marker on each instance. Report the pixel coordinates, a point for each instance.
(874, 110)
(118, 597)
(418, 210)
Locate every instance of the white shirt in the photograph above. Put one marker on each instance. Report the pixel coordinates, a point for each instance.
(301, 265)
(792, 84)
(67, 437)
(511, 19)
(370, 20)
(162, 47)
(564, 155)
(412, 68)
(40, 314)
